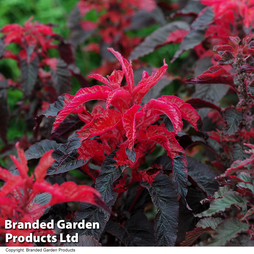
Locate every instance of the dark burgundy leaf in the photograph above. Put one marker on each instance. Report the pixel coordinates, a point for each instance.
(238, 152)
(192, 7)
(120, 232)
(109, 173)
(169, 124)
(227, 58)
(204, 18)
(199, 103)
(140, 230)
(29, 73)
(158, 37)
(2, 47)
(203, 175)
(212, 93)
(193, 235)
(92, 213)
(104, 184)
(66, 156)
(233, 119)
(66, 52)
(180, 174)
(164, 197)
(61, 77)
(4, 110)
(81, 79)
(192, 39)
(55, 107)
(137, 231)
(72, 122)
(36, 150)
(77, 33)
(143, 18)
(187, 221)
(131, 154)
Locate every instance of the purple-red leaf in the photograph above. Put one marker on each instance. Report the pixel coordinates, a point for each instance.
(100, 124)
(214, 75)
(82, 96)
(155, 107)
(129, 124)
(187, 111)
(126, 67)
(147, 83)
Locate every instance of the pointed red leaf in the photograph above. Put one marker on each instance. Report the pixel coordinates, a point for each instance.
(82, 96)
(187, 111)
(147, 83)
(70, 192)
(199, 103)
(129, 124)
(116, 77)
(214, 75)
(120, 98)
(45, 162)
(102, 79)
(165, 138)
(162, 107)
(100, 124)
(21, 164)
(126, 67)
(11, 182)
(92, 149)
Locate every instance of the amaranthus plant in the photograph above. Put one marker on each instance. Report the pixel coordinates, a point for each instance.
(43, 78)
(24, 198)
(229, 219)
(112, 147)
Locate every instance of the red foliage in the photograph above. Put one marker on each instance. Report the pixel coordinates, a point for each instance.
(17, 196)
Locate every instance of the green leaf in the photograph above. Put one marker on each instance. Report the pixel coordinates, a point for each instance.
(246, 178)
(219, 205)
(164, 197)
(209, 222)
(226, 231)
